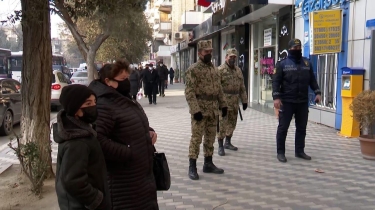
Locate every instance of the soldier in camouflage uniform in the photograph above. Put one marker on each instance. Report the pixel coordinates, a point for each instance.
(234, 88)
(205, 98)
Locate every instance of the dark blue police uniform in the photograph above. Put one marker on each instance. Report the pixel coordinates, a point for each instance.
(290, 84)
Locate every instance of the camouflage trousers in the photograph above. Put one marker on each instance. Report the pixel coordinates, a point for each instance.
(206, 129)
(227, 124)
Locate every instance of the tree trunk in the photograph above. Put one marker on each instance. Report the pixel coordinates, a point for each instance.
(92, 72)
(36, 77)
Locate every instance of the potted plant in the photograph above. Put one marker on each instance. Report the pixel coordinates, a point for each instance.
(176, 75)
(363, 108)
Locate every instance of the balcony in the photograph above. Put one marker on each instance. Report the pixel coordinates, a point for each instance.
(189, 20)
(159, 37)
(164, 51)
(166, 6)
(165, 27)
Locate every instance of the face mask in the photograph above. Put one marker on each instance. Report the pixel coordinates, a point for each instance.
(295, 54)
(161, 64)
(123, 87)
(231, 62)
(90, 114)
(207, 58)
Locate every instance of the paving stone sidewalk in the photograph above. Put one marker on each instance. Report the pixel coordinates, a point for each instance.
(253, 177)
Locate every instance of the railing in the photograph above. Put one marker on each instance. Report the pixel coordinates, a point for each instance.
(192, 18)
(166, 26)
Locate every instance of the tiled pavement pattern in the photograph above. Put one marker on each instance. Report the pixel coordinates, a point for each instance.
(253, 177)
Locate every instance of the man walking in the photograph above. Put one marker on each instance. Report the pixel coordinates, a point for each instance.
(232, 82)
(205, 97)
(171, 75)
(151, 79)
(163, 75)
(290, 88)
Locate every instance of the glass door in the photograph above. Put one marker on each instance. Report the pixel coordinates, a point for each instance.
(267, 57)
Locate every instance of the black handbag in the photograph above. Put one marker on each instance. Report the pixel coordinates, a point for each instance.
(161, 172)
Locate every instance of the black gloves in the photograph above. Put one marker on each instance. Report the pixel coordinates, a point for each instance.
(224, 111)
(198, 116)
(244, 106)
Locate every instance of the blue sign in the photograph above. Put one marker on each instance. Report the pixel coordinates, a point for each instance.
(316, 5)
(352, 71)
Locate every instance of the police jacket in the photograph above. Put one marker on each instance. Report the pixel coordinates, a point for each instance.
(292, 80)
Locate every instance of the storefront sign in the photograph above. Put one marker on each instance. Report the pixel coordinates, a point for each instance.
(325, 32)
(183, 45)
(268, 37)
(309, 6)
(285, 31)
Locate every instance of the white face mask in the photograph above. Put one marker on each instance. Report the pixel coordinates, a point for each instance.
(161, 64)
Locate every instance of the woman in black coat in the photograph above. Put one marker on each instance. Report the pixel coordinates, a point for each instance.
(126, 140)
(135, 83)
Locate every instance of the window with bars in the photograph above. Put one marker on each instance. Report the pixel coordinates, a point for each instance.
(327, 80)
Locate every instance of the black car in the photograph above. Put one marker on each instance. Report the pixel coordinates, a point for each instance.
(10, 107)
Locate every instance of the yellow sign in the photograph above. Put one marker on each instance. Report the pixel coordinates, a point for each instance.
(325, 32)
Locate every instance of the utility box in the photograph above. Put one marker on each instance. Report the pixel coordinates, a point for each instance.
(351, 85)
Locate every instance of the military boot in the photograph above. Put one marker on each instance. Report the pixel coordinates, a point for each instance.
(193, 175)
(209, 166)
(221, 151)
(228, 145)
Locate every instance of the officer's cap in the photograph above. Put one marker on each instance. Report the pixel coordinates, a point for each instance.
(294, 42)
(205, 45)
(232, 52)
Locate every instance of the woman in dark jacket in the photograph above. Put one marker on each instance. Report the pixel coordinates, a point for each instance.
(81, 177)
(126, 140)
(135, 83)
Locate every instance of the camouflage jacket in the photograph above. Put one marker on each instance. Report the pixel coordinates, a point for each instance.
(202, 80)
(233, 85)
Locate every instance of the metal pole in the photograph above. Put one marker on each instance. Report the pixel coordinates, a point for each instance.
(372, 61)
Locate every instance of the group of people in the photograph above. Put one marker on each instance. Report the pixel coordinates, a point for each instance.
(153, 79)
(214, 95)
(105, 145)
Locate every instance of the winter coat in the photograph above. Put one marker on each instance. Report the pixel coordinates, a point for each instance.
(81, 177)
(151, 81)
(163, 72)
(171, 73)
(292, 80)
(123, 132)
(135, 82)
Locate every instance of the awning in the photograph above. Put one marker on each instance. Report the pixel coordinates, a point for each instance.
(208, 36)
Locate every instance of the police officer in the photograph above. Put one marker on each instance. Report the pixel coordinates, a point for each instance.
(290, 88)
(232, 82)
(205, 97)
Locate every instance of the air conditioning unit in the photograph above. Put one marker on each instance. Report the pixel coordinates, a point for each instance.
(178, 35)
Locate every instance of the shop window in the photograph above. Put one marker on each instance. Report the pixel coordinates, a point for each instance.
(327, 80)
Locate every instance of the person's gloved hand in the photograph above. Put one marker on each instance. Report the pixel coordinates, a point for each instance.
(244, 106)
(198, 116)
(224, 111)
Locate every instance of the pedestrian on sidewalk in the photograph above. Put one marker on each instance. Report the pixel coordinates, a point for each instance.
(232, 82)
(126, 140)
(171, 75)
(205, 97)
(81, 176)
(163, 75)
(151, 81)
(290, 90)
(135, 83)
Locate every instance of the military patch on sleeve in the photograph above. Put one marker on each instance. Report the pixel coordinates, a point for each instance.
(307, 63)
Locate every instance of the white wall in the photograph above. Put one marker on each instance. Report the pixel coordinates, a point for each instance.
(299, 25)
(359, 47)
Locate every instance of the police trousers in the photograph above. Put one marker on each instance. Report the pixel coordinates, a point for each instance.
(286, 112)
(206, 129)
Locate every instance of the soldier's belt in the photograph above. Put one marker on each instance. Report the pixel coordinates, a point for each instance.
(232, 92)
(207, 97)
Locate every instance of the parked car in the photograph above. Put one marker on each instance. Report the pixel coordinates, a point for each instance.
(10, 107)
(58, 82)
(80, 77)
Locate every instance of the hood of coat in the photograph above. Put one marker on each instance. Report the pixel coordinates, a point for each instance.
(101, 89)
(68, 128)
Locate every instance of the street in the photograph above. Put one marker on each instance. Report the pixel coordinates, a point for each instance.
(254, 178)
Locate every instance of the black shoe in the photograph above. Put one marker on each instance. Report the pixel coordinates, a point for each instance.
(163, 95)
(209, 166)
(281, 158)
(155, 103)
(303, 156)
(150, 102)
(228, 144)
(221, 150)
(193, 175)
